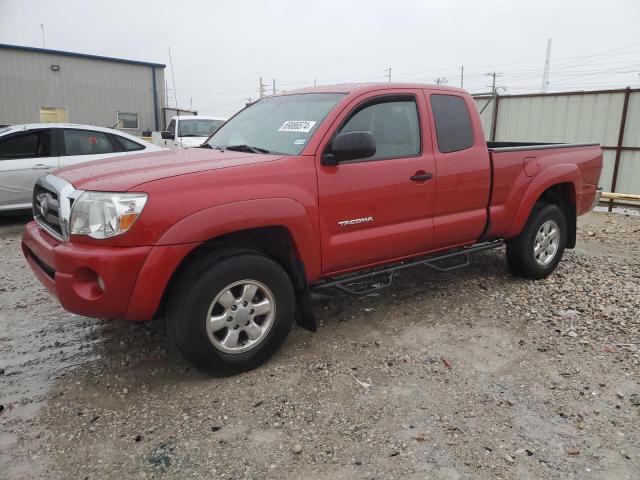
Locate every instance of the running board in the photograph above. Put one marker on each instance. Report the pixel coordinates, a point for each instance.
(381, 278)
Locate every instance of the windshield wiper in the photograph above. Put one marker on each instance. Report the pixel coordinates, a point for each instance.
(208, 145)
(246, 148)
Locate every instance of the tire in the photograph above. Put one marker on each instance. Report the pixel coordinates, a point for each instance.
(202, 293)
(535, 253)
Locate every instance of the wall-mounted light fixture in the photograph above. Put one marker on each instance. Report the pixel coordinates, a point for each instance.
(55, 68)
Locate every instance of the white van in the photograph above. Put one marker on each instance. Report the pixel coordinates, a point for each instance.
(187, 131)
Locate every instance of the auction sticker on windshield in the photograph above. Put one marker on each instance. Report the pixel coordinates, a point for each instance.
(303, 126)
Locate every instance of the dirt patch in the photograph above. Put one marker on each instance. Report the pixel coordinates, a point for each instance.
(474, 374)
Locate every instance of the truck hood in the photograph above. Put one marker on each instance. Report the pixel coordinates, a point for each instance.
(120, 174)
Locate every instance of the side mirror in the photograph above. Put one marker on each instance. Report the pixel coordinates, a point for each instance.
(350, 146)
(167, 135)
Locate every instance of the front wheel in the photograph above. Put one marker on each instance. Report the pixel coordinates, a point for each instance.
(231, 312)
(536, 252)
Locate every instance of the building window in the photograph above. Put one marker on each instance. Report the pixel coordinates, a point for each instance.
(128, 121)
(53, 115)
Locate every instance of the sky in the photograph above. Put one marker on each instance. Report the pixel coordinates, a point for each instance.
(220, 49)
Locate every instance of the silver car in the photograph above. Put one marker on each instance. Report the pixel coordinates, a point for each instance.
(28, 152)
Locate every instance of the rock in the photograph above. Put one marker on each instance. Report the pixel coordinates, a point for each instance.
(138, 438)
(572, 334)
(297, 449)
(215, 428)
(1, 371)
(573, 451)
(161, 455)
(446, 362)
(405, 358)
(508, 458)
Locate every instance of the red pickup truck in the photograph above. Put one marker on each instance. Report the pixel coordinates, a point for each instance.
(335, 186)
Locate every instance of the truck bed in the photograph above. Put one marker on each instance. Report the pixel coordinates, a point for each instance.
(520, 170)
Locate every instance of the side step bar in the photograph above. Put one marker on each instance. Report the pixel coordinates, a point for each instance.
(381, 278)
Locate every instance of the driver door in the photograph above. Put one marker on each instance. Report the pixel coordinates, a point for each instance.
(374, 210)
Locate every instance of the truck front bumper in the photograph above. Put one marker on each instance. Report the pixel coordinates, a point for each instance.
(102, 282)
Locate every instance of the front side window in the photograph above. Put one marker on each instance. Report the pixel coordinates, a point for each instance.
(26, 145)
(453, 123)
(198, 127)
(172, 127)
(86, 142)
(394, 125)
(128, 120)
(281, 124)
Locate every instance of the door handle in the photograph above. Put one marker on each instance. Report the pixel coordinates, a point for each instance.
(421, 177)
(39, 166)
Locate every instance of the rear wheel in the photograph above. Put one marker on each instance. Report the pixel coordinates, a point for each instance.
(231, 312)
(536, 252)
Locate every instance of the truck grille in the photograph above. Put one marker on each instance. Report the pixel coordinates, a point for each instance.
(46, 209)
(53, 198)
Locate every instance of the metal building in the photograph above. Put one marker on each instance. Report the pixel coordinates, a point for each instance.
(40, 85)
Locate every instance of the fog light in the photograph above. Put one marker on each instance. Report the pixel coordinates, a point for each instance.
(87, 284)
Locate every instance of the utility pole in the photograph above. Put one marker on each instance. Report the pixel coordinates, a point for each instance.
(42, 28)
(545, 75)
(262, 87)
(493, 83)
(314, 82)
(388, 70)
(173, 79)
(274, 86)
(440, 80)
(462, 76)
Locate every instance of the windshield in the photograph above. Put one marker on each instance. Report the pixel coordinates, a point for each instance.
(277, 124)
(198, 127)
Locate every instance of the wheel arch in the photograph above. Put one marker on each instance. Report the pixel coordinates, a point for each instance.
(275, 242)
(558, 185)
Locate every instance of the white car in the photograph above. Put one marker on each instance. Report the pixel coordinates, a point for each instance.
(30, 151)
(187, 131)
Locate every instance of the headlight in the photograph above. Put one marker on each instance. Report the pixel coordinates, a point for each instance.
(104, 215)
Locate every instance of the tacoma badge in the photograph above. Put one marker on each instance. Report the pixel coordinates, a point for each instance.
(345, 223)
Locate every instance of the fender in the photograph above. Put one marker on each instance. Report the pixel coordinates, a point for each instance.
(232, 217)
(563, 173)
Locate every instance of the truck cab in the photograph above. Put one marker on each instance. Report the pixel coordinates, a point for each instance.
(187, 131)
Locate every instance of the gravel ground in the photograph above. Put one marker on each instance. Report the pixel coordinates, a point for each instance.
(474, 374)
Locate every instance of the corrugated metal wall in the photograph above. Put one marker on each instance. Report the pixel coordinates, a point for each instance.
(91, 90)
(572, 117)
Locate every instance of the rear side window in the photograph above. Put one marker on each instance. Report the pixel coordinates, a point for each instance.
(394, 125)
(453, 123)
(86, 142)
(26, 145)
(128, 145)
